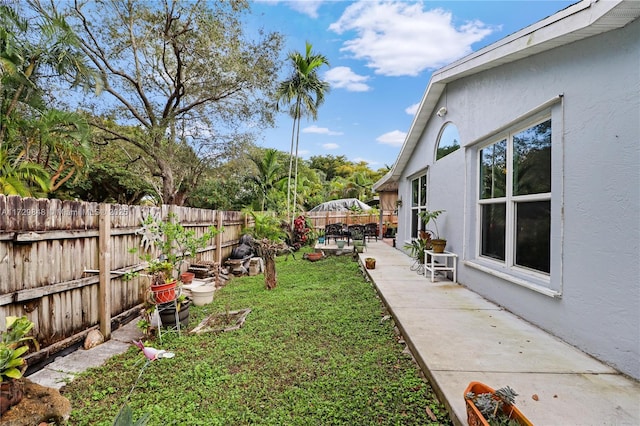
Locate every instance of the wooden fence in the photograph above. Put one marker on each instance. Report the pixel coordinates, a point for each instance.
(61, 262)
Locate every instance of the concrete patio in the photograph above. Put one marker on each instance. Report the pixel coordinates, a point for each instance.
(456, 336)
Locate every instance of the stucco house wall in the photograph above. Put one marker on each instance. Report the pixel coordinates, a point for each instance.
(591, 91)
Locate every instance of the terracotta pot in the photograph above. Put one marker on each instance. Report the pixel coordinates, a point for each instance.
(475, 418)
(11, 393)
(187, 277)
(164, 293)
(313, 257)
(438, 245)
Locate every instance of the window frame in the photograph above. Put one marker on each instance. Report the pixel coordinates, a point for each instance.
(511, 201)
(448, 124)
(421, 205)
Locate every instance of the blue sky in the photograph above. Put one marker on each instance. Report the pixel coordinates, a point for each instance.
(382, 55)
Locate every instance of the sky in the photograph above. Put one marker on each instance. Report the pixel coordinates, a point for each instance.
(381, 55)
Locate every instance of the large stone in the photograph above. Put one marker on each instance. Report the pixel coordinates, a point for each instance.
(93, 339)
(40, 404)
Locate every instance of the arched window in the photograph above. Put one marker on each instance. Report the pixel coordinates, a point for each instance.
(448, 141)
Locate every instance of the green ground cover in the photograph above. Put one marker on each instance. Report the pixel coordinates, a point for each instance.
(319, 349)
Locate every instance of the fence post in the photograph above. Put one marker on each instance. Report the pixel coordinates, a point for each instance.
(104, 291)
(218, 239)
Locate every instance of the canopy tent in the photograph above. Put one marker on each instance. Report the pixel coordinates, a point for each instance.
(342, 205)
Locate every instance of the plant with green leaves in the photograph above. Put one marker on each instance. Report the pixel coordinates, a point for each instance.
(175, 243)
(431, 216)
(268, 241)
(13, 346)
(491, 405)
(417, 246)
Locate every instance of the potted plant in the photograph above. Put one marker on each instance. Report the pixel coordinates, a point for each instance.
(12, 363)
(370, 263)
(486, 406)
(419, 245)
(427, 216)
(176, 245)
(162, 282)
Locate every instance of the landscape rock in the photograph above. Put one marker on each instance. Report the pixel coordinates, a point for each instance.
(93, 339)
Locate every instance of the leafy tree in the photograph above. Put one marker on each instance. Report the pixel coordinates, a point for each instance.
(31, 53)
(227, 186)
(330, 165)
(303, 92)
(184, 73)
(269, 173)
(59, 141)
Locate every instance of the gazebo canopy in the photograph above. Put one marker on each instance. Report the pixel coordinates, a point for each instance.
(342, 205)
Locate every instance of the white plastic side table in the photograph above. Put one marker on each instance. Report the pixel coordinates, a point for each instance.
(433, 267)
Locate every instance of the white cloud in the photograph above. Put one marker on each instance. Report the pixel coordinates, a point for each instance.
(320, 131)
(398, 38)
(394, 138)
(344, 78)
(330, 146)
(412, 109)
(308, 7)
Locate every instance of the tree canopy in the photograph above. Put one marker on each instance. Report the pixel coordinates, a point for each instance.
(184, 73)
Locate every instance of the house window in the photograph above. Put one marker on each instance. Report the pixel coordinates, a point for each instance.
(418, 202)
(448, 141)
(515, 198)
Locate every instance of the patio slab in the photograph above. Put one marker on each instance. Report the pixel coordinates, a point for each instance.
(457, 337)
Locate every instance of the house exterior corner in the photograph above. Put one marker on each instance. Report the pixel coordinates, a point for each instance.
(536, 162)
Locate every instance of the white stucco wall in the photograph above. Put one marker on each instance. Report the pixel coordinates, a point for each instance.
(595, 188)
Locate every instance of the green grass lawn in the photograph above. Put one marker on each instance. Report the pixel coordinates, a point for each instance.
(316, 350)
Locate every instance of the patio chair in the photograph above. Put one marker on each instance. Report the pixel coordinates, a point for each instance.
(371, 230)
(333, 230)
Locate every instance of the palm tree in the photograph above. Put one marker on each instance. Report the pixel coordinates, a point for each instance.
(26, 60)
(304, 92)
(18, 177)
(269, 173)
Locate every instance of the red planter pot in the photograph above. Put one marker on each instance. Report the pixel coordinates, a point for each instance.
(164, 293)
(187, 277)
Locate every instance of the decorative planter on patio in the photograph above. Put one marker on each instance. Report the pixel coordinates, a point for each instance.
(475, 417)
